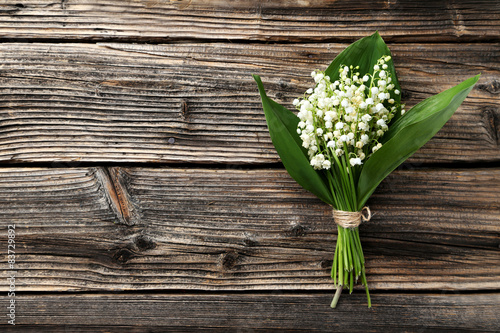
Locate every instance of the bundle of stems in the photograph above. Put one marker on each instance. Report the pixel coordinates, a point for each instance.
(348, 261)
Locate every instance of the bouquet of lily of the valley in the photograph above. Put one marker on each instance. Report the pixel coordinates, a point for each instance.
(350, 132)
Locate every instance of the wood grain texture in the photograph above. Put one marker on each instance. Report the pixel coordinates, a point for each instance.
(63, 103)
(237, 246)
(276, 312)
(229, 229)
(277, 21)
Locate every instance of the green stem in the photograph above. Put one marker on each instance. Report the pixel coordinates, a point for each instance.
(341, 263)
(358, 242)
(363, 279)
(344, 248)
(338, 292)
(335, 262)
(351, 283)
(354, 250)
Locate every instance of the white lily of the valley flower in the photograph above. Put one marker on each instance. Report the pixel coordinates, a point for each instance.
(337, 118)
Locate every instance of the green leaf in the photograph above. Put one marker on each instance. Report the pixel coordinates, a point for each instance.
(282, 124)
(365, 53)
(408, 134)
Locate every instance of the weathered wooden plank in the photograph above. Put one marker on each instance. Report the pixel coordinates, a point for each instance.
(198, 102)
(276, 312)
(218, 229)
(283, 20)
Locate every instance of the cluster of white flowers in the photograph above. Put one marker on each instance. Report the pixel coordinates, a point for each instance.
(347, 116)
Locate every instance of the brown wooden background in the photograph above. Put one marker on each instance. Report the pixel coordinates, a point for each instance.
(136, 165)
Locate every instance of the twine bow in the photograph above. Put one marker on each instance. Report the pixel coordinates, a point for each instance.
(351, 219)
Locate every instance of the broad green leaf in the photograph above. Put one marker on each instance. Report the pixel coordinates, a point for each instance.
(365, 53)
(408, 134)
(282, 124)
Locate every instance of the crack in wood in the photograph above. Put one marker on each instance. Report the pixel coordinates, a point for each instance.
(184, 111)
(120, 201)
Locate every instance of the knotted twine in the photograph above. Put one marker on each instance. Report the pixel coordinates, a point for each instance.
(351, 219)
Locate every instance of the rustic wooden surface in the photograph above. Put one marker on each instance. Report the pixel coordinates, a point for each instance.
(147, 197)
(197, 102)
(275, 311)
(229, 229)
(244, 20)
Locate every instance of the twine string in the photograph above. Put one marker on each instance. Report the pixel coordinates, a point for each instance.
(351, 219)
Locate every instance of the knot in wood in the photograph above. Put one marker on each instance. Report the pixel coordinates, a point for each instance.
(144, 243)
(122, 255)
(229, 259)
(298, 230)
(493, 87)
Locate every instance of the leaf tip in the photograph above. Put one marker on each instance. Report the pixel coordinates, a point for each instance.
(262, 91)
(473, 80)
